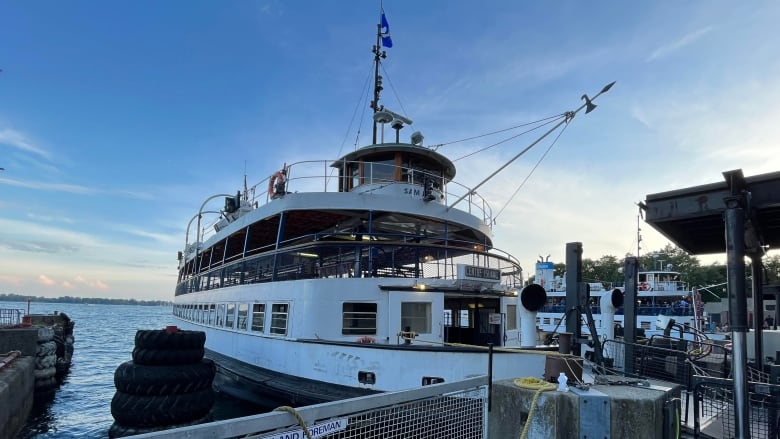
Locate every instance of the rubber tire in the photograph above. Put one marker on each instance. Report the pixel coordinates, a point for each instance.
(161, 339)
(150, 411)
(41, 374)
(160, 357)
(139, 379)
(45, 349)
(45, 334)
(45, 362)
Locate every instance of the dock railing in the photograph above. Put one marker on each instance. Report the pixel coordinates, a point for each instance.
(10, 317)
(457, 409)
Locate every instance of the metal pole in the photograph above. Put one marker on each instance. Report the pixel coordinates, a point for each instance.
(630, 270)
(758, 308)
(573, 279)
(567, 117)
(735, 259)
(490, 376)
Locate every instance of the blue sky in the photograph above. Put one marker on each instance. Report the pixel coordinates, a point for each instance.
(118, 118)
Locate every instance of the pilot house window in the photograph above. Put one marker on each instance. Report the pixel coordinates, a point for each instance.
(358, 319)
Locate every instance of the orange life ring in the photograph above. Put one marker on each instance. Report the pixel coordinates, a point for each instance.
(276, 178)
(644, 286)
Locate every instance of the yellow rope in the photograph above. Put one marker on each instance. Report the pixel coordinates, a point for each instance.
(532, 384)
(301, 422)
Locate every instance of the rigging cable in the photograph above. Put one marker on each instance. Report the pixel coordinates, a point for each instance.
(438, 145)
(508, 138)
(531, 173)
(392, 87)
(362, 99)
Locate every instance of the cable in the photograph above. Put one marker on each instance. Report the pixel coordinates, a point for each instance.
(499, 131)
(503, 141)
(530, 173)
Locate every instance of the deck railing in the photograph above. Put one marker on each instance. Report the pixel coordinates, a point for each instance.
(319, 176)
(358, 259)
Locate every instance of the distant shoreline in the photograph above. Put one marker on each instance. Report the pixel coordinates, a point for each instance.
(83, 300)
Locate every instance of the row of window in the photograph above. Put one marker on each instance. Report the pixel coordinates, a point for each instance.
(358, 318)
(236, 316)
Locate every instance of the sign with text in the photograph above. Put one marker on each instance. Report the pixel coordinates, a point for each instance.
(316, 430)
(478, 273)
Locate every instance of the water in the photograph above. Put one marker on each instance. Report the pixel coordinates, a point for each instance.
(104, 338)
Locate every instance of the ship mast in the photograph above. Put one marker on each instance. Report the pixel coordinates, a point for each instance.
(379, 54)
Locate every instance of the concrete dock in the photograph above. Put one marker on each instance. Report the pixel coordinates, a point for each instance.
(17, 353)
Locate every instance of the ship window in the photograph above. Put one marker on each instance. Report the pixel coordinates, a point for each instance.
(258, 317)
(230, 317)
(416, 316)
(447, 317)
(279, 318)
(465, 321)
(220, 314)
(242, 311)
(212, 314)
(358, 319)
(380, 171)
(511, 317)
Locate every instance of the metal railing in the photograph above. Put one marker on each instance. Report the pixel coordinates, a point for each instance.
(714, 408)
(457, 409)
(357, 259)
(317, 176)
(10, 317)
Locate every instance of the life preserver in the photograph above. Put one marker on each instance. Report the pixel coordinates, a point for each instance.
(276, 178)
(644, 286)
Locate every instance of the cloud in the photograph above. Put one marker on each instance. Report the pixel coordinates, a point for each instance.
(96, 284)
(54, 187)
(13, 280)
(679, 44)
(45, 280)
(18, 140)
(67, 285)
(41, 247)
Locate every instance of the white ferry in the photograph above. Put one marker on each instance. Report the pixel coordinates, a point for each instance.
(661, 296)
(369, 272)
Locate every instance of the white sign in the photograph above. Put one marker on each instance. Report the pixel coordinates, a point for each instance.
(316, 430)
(494, 318)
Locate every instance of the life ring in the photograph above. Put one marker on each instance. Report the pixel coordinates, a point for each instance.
(276, 179)
(644, 286)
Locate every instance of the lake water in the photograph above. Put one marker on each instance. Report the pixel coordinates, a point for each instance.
(104, 338)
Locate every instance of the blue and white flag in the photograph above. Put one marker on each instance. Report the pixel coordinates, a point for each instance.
(385, 32)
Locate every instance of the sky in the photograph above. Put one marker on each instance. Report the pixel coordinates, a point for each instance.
(117, 119)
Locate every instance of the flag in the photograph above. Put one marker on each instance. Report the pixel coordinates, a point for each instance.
(385, 32)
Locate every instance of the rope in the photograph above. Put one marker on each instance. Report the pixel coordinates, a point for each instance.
(540, 386)
(301, 422)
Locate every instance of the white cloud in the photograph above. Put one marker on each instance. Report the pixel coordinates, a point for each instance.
(678, 44)
(19, 141)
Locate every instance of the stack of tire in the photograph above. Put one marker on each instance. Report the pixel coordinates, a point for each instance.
(167, 384)
(45, 362)
(63, 337)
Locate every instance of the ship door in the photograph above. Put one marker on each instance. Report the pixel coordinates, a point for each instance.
(467, 321)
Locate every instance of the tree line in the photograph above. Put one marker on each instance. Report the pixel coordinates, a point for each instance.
(82, 300)
(711, 278)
